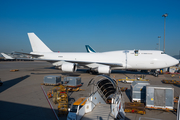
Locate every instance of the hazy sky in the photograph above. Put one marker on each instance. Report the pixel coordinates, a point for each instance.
(106, 25)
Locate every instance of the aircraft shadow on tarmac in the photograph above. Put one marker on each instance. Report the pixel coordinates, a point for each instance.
(176, 85)
(18, 111)
(65, 74)
(7, 84)
(85, 71)
(128, 94)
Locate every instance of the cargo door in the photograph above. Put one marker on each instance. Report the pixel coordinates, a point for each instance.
(159, 97)
(169, 98)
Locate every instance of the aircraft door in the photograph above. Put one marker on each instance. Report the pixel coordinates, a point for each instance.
(126, 57)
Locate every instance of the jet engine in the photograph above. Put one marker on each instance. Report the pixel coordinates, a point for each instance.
(104, 69)
(69, 67)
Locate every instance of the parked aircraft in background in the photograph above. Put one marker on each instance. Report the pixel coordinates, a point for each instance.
(16, 56)
(7, 56)
(102, 62)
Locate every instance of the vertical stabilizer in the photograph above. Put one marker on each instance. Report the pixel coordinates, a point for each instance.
(37, 45)
(90, 49)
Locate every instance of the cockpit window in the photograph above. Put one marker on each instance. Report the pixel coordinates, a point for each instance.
(136, 52)
(74, 108)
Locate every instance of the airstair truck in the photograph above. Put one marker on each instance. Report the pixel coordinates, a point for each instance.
(105, 101)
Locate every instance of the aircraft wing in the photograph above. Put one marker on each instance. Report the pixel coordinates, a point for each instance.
(88, 64)
(96, 64)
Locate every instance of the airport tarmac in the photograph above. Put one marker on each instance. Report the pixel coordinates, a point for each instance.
(21, 95)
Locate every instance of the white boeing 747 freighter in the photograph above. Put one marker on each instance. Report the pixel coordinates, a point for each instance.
(101, 62)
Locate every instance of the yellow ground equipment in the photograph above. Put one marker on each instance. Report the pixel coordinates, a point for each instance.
(61, 88)
(173, 75)
(135, 107)
(175, 82)
(77, 102)
(14, 70)
(123, 89)
(60, 96)
(63, 103)
(75, 89)
(128, 80)
(176, 99)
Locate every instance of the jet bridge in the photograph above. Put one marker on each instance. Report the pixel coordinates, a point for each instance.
(105, 101)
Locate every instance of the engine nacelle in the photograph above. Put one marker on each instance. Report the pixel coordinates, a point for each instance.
(69, 67)
(104, 69)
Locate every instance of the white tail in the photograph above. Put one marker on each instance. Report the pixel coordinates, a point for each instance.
(37, 45)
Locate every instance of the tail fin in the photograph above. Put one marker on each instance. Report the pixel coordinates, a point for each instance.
(6, 56)
(36, 44)
(90, 49)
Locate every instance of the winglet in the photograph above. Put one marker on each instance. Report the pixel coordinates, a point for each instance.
(7, 56)
(37, 45)
(90, 49)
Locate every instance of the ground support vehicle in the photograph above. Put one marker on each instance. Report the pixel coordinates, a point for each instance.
(60, 97)
(129, 80)
(175, 82)
(14, 70)
(62, 88)
(135, 107)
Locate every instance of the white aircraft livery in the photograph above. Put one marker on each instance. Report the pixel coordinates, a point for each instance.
(102, 62)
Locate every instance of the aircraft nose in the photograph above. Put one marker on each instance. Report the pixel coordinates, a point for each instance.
(176, 61)
(172, 61)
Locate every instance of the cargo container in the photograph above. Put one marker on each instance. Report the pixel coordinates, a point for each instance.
(160, 97)
(138, 91)
(72, 81)
(52, 80)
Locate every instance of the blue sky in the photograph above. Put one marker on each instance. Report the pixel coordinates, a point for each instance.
(69, 25)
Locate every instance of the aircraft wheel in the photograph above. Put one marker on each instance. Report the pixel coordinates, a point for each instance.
(156, 74)
(93, 72)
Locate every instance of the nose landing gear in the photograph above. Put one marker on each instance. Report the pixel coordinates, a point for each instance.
(156, 74)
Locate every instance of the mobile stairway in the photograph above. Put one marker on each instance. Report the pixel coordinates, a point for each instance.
(105, 101)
